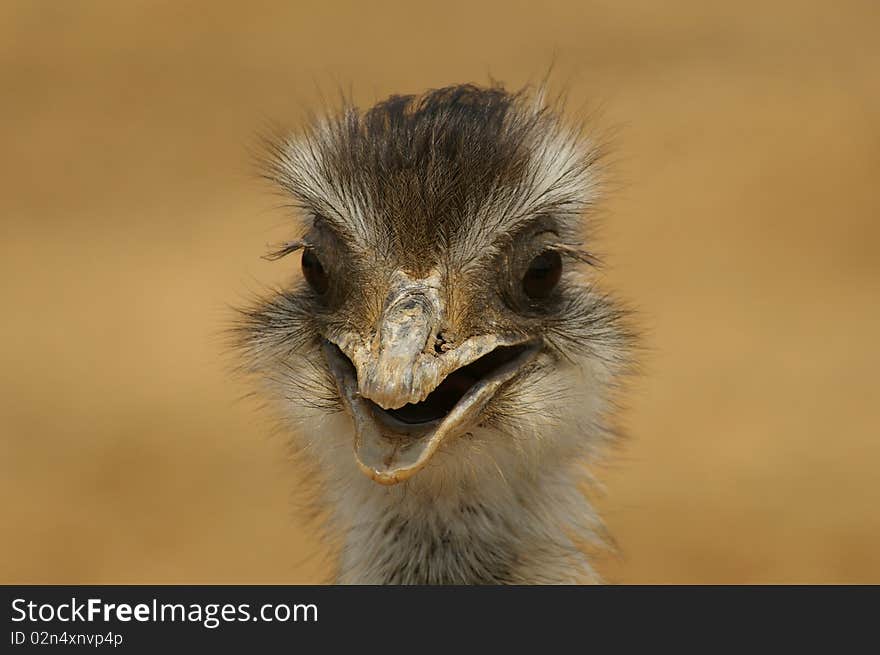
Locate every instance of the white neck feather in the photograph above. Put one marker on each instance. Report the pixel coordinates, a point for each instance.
(498, 525)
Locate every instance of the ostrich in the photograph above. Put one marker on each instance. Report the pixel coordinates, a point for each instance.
(444, 361)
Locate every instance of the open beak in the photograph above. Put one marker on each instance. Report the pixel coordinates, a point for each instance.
(391, 445)
(405, 397)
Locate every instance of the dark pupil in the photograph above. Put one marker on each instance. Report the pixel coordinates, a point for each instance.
(314, 272)
(543, 275)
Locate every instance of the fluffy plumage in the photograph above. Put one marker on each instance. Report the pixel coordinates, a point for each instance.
(462, 187)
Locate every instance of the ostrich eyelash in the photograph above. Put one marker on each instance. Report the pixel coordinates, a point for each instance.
(581, 255)
(284, 249)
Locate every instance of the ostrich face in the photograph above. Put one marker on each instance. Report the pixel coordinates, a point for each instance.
(440, 301)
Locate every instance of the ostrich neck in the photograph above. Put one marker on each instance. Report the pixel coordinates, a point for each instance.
(486, 532)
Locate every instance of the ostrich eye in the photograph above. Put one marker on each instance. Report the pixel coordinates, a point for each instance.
(542, 275)
(314, 273)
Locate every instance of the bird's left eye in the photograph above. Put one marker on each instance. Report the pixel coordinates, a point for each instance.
(542, 275)
(314, 272)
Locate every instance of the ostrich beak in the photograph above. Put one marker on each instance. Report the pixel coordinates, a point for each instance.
(391, 445)
(406, 396)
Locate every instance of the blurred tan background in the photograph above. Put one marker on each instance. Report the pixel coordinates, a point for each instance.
(745, 230)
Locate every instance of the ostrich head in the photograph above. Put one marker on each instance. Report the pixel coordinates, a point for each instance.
(444, 341)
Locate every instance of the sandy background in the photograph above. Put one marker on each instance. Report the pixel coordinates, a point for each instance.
(746, 230)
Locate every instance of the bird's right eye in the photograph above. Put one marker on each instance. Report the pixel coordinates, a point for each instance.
(542, 275)
(314, 272)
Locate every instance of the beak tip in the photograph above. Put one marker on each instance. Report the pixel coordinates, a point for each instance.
(385, 478)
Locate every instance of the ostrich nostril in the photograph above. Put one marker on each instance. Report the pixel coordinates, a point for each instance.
(440, 344)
